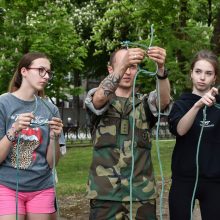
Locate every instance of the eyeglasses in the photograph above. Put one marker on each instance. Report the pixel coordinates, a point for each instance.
(42, 71)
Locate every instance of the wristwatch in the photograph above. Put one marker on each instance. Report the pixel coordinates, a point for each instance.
(165, 75)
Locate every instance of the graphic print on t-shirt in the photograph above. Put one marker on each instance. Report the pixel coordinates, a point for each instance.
(29, 140)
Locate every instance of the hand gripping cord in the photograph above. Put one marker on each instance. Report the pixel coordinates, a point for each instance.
(34, 124)
(127, 44)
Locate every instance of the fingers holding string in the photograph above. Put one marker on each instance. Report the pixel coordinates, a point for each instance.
(23, 121)
(136, 55)
(214, 91)
(56, 126)
(209, 98)
(157, 54)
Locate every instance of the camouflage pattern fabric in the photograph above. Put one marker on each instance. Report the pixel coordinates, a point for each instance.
(110, 210)
(109, 175)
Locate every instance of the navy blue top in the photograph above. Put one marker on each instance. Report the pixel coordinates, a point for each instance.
(184, 154)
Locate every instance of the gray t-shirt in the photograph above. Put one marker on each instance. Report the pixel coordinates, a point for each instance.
(34, 172)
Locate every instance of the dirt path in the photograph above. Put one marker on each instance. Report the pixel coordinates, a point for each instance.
(76, 207)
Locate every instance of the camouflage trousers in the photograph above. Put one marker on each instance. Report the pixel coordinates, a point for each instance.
(114, 210)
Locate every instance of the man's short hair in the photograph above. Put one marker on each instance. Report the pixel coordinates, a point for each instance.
(112, 56)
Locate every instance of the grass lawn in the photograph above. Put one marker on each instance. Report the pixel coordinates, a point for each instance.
(73, 167)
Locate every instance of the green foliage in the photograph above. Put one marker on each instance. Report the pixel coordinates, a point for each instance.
(41, 26)
(116, 25)
(54, 34)
(177, 29)
(79, 36)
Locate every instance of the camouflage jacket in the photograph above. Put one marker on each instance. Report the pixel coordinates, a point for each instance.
(110, 171)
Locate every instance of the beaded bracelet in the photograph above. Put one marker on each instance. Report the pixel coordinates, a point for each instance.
(11, 137)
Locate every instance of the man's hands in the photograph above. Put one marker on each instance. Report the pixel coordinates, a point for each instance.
(134, 56)
(126, 58)
(158, 55)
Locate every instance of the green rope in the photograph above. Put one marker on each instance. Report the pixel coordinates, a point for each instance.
(17, 161)
(54, 164)
(157, 146)
(34, 124)
(158, 150)
(217, 105)
(127, 43)
(197, 163)
(17, 176)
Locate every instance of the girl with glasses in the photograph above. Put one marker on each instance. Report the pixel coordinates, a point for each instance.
(30, 136)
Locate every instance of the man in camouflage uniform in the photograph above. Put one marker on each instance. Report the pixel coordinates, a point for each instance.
(111, 110)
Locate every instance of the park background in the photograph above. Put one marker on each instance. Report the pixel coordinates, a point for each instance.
(78, 36)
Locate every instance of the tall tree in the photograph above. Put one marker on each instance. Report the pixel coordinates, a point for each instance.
(91, 29)
(41, 26)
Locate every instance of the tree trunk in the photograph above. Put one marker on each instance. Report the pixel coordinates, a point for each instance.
(209, 12)
(183, 17)
(215, 40)
(76, 104)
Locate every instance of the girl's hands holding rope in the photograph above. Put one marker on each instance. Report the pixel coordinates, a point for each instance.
(207, 99)
(56, 127)
(23, 121)
(158, 55)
